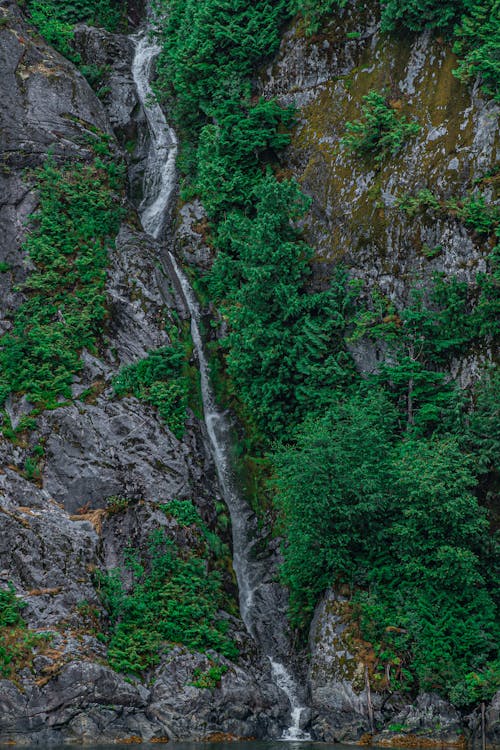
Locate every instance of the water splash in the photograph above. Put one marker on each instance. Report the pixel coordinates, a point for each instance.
(286, 683)
(261, 599)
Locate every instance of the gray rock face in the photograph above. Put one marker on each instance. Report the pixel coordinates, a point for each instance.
(336, 676)
(45, 103)
(46, 555)
(355, 216)
(474, 723)
(55, 531)
(430, 716)
(113, 54)
(243, 704)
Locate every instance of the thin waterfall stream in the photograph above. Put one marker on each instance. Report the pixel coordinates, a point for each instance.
(262, 602)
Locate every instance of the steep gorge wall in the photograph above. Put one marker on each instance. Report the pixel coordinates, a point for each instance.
(354, 217)
(55, 529)
(100, 446)
(355, 220)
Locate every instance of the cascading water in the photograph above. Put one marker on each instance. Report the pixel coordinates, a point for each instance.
(262, 604)
(159, 172)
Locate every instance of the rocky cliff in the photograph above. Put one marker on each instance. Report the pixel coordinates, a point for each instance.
(356, 219)
(58, 529)
(109, 464)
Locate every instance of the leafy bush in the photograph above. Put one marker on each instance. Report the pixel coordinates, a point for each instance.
(477, 43)
(477, 686)
(77, 219)
(398, 520)
(118, 504)
(211, 678)
(10, 608)
(160, 379)
(174, 599)
(16, 640)
(380, 131)
(314, 11)
(55, 19)
(417, 15)
(183, 511)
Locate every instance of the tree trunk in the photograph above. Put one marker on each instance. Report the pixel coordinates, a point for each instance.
(369, 700)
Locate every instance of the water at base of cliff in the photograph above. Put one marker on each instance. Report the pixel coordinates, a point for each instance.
(205, 745)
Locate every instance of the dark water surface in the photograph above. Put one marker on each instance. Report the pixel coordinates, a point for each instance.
(245, 745)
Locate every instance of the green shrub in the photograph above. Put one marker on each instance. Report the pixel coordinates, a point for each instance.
(183, 511)
(315, 11)
(209, 679)
(418, 15)
(175, 599)
(118, 503)
(10, 608)
(160, 379)
(477, 686)
(380, 131)
(477, 44)
(55, 19)
(77, 219)
(17, 642)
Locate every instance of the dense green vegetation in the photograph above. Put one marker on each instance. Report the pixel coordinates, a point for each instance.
(280, 334)
(174, 599)
(284, 349)
(77, 219)
(395, 519)
(55, 20)
(164, 379)
(377, 481)
(382, 492)
(17, 642)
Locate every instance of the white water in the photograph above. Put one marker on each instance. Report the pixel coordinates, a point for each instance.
(159, 173)
(260, 605)
(285, 682)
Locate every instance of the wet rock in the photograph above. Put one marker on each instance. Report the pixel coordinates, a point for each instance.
(190, 244)
(474, 725)
(355, 216)
(242, 704)
(111, 55)
(84, 702)
(336, 676)
(430, 717)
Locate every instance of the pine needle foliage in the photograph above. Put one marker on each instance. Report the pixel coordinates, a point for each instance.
(380, 132)
(174, 599)
(65, 303)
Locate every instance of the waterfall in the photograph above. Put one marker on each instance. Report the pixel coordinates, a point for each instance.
(159, 173)
(262, 603)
